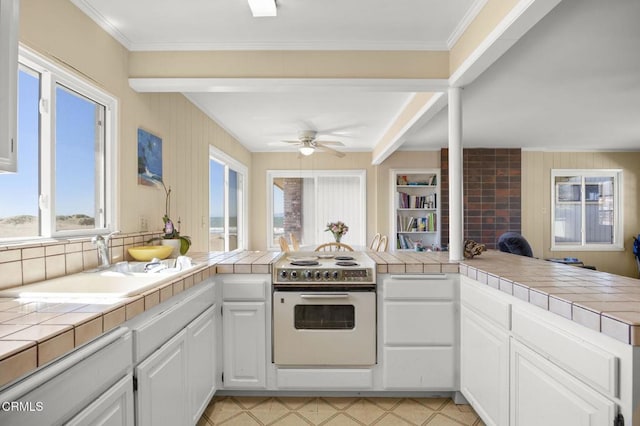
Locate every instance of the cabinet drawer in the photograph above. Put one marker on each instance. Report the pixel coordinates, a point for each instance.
(154, 332)
(485, 301)
(325, 379)
(419, 323)
(588, 362)
(432, 368)
(422, 286)
(245, 289)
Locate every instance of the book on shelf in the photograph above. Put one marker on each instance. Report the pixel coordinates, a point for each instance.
(409, 201)
(431, 180)
(425, 223)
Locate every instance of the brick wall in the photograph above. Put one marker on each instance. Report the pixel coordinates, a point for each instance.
(492, 194)
(292, 194)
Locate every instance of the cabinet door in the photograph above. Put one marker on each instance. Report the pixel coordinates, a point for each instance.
(484, 367)
(202, 362)
(113, 408)
(244, 330)
(162, 398)
(544, 394)
(8, 83)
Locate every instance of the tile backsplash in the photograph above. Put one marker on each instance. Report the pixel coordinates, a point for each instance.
(26, 263)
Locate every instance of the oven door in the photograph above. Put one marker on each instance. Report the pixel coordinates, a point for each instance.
(324, 328)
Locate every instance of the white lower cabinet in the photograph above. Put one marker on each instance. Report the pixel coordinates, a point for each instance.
(544, 394)
(113, 408)
(244, 346)
(484, 367)
(162, 385)
(201, 335)
(419, 330)
(176, 366)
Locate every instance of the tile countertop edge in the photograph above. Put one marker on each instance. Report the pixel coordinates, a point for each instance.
(623, 326)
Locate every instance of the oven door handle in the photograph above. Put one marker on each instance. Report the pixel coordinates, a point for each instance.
(325, 296)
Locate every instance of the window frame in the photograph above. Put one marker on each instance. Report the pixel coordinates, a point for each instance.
(51, 76)
(243, 171)
(361, 174)
(618, 213)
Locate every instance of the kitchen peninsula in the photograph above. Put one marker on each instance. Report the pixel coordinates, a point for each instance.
(582, 323)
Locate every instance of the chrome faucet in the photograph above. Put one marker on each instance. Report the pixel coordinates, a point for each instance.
(102, 245)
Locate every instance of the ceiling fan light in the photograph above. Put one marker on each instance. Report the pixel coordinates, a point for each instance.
(260, 8)
(306, 150)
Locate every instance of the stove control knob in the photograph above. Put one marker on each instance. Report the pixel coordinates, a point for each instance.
(325, 275)
(318, 275)
(293, 275)
(308, 274)
(283, 274)
(335, 275)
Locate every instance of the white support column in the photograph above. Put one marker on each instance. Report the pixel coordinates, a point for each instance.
(455, 174)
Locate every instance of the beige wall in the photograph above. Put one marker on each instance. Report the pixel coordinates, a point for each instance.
(536, 203)
(59, 31)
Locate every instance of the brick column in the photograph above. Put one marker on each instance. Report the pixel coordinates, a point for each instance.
(292, 223)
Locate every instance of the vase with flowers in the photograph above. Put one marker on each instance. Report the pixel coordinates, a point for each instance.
(181, 243)
(338, 229)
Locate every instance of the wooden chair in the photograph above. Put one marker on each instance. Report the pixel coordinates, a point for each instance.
(294, 242)
(383, 244)
(334, 247)
(375, 242)
(284, 246)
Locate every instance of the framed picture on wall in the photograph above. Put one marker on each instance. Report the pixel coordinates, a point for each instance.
(149, 159)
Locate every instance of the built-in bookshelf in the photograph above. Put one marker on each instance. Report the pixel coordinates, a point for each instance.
(415, 210)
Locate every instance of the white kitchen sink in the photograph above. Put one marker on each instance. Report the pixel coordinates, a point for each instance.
(125, 279)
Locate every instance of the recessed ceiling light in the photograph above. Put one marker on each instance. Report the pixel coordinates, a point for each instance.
(260, 8)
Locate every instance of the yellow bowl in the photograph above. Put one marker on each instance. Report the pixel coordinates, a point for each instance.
(145, 253)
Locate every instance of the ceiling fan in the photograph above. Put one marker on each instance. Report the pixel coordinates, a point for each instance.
(307, 144)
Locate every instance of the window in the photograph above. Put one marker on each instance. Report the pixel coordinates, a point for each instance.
(227, 191)
(303, 202)
(66, 150)
(587, 213)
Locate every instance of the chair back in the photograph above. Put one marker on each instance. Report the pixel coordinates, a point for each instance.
(375, 242)
(284, 246)
(334, 247)
(294, 242)
(383, 244)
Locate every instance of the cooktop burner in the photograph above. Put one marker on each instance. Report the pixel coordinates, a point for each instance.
(346, 263)
(344, 258)
(304, 262)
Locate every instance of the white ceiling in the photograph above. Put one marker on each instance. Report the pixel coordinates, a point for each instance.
(572, 82)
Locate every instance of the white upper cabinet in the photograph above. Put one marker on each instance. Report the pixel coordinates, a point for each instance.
(8, 84)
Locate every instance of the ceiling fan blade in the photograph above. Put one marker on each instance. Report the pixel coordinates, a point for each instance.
(325, 148)
(331, 143)
(283, 143)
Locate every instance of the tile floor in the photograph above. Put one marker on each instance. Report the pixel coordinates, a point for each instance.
(294, 411)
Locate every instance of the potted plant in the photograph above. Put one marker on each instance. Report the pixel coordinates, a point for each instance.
(181, 243)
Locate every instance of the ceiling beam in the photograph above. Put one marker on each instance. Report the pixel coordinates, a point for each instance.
(419, 109)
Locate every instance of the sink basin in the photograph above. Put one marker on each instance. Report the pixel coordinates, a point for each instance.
(106, 284)
(124, 279)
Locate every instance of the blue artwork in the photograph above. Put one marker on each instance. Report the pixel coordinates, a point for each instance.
(149, 159)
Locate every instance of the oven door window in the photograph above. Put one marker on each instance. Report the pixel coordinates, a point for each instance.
(324, 317)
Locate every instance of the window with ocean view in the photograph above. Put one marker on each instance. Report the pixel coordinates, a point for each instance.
(226, 203)
(62, 186)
